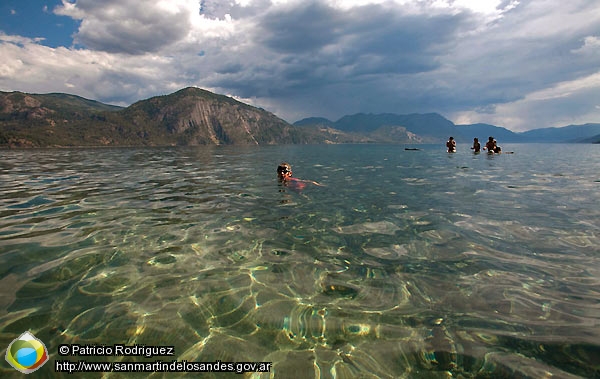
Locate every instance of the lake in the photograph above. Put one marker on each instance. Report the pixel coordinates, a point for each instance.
(417, 264)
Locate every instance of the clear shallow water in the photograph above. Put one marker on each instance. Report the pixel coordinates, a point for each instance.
(404, 264)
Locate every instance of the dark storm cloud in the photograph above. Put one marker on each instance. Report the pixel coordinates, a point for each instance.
(366, 39)
(303, 29)
(373, 58)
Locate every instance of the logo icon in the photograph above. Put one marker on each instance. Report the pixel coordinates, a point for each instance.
(26, 353)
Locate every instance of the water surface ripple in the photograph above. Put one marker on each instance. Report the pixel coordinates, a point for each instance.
(413, 264)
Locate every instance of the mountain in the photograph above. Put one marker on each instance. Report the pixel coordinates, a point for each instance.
(429, 127)
(391, 128)
(571, 133)
(31, 120)
(317, 134)
(22, 103)
(394, 134)
(191, 116)
(315, 121)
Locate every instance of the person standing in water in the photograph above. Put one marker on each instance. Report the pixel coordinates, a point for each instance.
(451, 145)
(497, 149)
(476, 145)
(490, 145)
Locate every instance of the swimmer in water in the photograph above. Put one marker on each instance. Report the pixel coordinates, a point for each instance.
(284, 174)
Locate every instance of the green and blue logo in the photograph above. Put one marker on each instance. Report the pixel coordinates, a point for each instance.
(26, 353)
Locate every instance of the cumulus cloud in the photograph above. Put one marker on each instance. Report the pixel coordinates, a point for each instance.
(496, 61)
(129, 26)
(31, 67)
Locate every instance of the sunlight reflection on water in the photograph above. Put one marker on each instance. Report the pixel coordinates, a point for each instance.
(405, 263)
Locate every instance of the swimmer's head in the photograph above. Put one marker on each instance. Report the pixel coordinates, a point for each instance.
(284, 169)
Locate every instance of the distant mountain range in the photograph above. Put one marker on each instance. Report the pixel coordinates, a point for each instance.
(193, 116)
(389, 127)
(434, 128)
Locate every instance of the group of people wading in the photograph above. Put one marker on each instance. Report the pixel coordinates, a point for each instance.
(491, 146)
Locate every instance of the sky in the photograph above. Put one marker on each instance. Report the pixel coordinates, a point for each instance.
(513, 63)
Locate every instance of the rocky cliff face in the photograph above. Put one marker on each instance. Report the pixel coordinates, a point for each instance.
(194, 116)
(18, 105)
